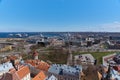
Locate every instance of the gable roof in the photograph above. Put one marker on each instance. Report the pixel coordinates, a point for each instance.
(40, 76)
(65, 69)
(24, 70)
(52, 78)
(16, 75)
(39, 64)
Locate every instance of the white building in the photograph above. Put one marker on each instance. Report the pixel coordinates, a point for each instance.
(22, 73)
(5, 67)
(52, 78)
(65, 72)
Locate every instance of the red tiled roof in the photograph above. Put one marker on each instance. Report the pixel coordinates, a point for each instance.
(39, 64)
(11, 57)
(32, 62)
(16, 75)
(40, 76)
(23, 71)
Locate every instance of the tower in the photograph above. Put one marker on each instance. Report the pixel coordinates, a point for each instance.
(70, 56)
(35, 55)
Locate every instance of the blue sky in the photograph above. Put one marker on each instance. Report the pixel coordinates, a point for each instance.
(59, 15)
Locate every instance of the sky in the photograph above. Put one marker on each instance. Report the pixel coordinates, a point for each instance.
(59, 15)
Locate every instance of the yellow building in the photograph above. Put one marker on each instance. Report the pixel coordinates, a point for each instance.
(6, 48)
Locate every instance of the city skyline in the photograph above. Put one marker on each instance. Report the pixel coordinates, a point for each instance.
(59, 15)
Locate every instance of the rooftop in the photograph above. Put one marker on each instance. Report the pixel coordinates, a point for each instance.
(40, 76)
(39, 64)
(117, 58)
(16, 74)
(52, 78)
(23, 71)
(115, 74)
(65, 69)
(5, 67)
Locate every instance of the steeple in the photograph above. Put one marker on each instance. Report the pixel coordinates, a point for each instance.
(108, 73)
(35, 55)
(70, 56)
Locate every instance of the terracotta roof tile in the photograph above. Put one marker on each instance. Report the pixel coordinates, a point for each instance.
(16, 75)
(23, 72)
(39, 64)
(40, 76)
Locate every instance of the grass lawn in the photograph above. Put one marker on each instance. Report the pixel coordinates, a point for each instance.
(57, 58)
(96, 55)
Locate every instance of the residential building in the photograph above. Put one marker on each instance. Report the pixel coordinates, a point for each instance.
(111, 74)
(57, 42)
(40, 76)
(5, 67)
(117, 58)
(37, 65)
(21, 73)
(108, 59)
(6, 48)
(65, 72)
(15, 58)
(52, 78)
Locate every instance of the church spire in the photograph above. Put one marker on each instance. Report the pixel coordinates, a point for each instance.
(70, 56)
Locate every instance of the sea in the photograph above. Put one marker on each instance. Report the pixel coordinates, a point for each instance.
(27, 34)
(58, 34)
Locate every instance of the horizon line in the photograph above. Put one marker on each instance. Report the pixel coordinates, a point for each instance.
(59, 31)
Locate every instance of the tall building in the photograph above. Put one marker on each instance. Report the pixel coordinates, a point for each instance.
(35, 55)
(70, 56)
